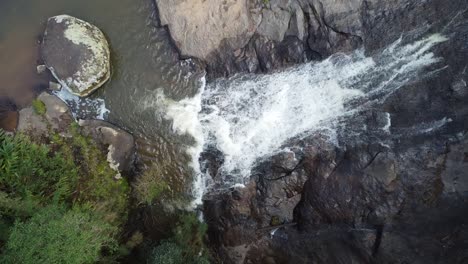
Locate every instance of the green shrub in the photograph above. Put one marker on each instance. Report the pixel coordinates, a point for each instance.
(150, 186)
(98, 185)
(189, 233)
(167, 253)
(71, 169)
(28, 169)
(55, 235)
(71, 172)
(186, 245)
(39, 107)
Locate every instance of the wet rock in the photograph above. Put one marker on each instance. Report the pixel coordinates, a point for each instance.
(55, 86)
(77, 54)
(454, 177)
(57, 117)
(119, 144)
(41, 69)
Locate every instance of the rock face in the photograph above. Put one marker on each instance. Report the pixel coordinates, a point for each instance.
(77, 54)
(385, 191)
(198, 27)
(260, 36)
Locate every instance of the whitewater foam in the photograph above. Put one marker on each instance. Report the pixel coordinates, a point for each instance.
(92, 108)
(184, 114)
(248, 119)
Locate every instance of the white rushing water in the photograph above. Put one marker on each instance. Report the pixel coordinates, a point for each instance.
(249, 117)
(93, 108)
(184, 114)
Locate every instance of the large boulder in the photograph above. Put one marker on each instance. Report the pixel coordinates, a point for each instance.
(77, 54)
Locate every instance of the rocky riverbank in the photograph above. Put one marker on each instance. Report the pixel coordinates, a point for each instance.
(392, 188)
(261, 36)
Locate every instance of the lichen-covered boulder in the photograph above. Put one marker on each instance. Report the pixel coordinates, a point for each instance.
(77, 54)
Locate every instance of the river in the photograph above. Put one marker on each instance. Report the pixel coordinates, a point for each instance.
(144, 65)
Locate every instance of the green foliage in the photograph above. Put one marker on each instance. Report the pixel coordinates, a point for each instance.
(100, 187)
(30, 170)
(150, 186)
(167, 253)
(17, 207)
(68, 172)
(275, 221)
(71, 169)
(186, 245)
(189, 233)
(39, 107)
(55, 235)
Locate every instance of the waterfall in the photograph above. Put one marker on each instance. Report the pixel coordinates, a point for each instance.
(249, 117)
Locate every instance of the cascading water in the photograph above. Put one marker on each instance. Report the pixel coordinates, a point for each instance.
(249, 117)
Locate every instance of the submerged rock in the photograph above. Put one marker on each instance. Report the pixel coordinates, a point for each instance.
(77, 54)
(40, 69)
(55, 86)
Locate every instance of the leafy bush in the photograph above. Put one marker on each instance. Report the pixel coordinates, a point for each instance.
(68, 172)
(150, 186)
(98, 186)
(55, 235)
(71, 169)
(186, 245)
(167, 253)
(189, 233)
(27, 169)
